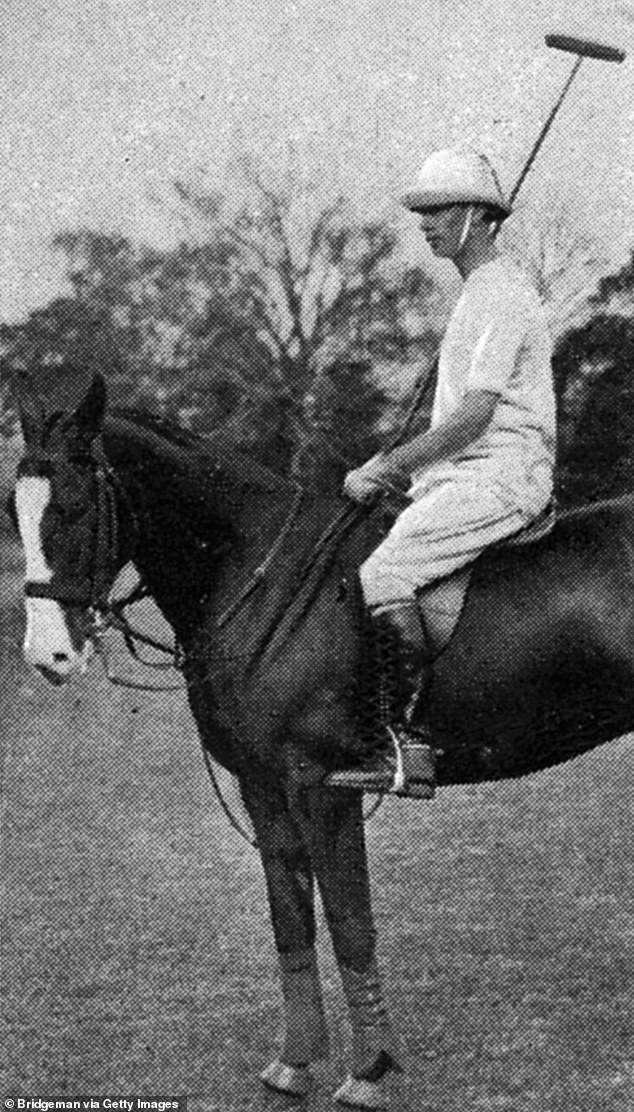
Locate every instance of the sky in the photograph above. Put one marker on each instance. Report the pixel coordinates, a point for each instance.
(106, 102)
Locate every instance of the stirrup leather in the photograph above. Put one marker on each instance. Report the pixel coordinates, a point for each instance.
(398, 783)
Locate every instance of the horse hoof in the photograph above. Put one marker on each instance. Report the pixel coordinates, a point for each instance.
(359, 1093)
(295, 1081)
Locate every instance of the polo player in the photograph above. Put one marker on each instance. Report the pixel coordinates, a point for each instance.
(480, 473)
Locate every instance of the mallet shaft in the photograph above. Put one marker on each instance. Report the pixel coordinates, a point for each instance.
(583, 48)
(545, 129)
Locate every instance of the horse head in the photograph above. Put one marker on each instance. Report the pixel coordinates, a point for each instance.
(65, 510)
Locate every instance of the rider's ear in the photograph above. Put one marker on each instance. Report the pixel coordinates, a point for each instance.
(30, 410)
(88, 416)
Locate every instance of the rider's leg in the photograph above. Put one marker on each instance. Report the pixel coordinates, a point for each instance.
(406, 764)
(442, 531)
(404, 656)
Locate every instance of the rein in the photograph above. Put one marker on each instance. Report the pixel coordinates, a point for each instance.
(258, 576)
(115, 618)
(346, 519)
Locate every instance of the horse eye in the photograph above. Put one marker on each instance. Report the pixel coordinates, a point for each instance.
(68, 512)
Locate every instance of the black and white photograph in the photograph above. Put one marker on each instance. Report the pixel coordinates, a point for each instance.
(317, 556)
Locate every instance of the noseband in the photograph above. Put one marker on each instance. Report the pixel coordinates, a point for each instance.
(89, 591)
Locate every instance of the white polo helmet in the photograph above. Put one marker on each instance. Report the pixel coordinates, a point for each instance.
(456, 175)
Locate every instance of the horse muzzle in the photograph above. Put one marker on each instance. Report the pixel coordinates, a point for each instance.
(49, 644)
(54, 678)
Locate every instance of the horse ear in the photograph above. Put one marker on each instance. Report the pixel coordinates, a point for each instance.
(30, 409)
(10, 510)
(88, 417)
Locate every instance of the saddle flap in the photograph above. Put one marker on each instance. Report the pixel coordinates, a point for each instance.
(441, 605)
(535, 531)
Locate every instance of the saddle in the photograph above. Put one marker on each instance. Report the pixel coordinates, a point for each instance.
(442, 603)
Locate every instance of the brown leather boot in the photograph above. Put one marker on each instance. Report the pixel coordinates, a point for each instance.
(406, 765)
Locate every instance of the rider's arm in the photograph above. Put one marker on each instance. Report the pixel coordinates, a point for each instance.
(498, 334)
(393, 470)
(465, 425)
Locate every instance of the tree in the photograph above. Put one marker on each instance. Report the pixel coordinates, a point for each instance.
(616, 291)
(97, 326)
(303, 298)
(564, 263)
(593, 366)
(278, 323)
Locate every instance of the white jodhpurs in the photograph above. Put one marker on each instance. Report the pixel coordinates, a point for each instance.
(447, 527)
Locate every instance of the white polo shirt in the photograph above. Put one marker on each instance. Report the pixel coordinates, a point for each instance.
(497, 339)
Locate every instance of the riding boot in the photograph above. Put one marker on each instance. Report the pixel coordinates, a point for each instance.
(405, 765)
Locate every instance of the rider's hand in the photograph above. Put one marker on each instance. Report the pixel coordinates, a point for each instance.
(375, 477)
(357, 486)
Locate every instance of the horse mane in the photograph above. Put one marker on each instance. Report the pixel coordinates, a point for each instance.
(164, 427)
(207, 450)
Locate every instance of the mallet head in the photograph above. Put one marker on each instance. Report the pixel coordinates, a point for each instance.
(585, 48)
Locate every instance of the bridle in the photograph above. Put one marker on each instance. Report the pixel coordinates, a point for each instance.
(90, 591)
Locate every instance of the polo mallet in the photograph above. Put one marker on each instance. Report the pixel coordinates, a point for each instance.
(583, 48)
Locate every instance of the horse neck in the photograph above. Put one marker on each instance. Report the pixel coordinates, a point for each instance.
(193, 510)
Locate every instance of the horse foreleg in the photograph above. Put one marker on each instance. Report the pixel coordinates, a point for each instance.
(290, 887)
(335, 827)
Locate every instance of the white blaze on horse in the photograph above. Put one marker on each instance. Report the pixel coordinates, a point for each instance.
(48, 641)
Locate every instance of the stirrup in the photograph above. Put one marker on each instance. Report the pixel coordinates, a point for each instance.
(414, 767)
(408, 771)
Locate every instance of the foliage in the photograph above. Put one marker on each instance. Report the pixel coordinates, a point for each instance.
(616, 291)
(564, 263)
(594, 366)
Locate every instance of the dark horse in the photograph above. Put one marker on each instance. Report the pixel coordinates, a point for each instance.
(541, 666)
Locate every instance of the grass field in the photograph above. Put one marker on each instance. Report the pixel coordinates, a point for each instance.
(136, 951)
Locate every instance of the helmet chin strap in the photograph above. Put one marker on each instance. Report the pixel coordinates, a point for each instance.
(466, 227)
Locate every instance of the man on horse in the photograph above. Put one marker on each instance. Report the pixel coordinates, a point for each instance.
(480, 473)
